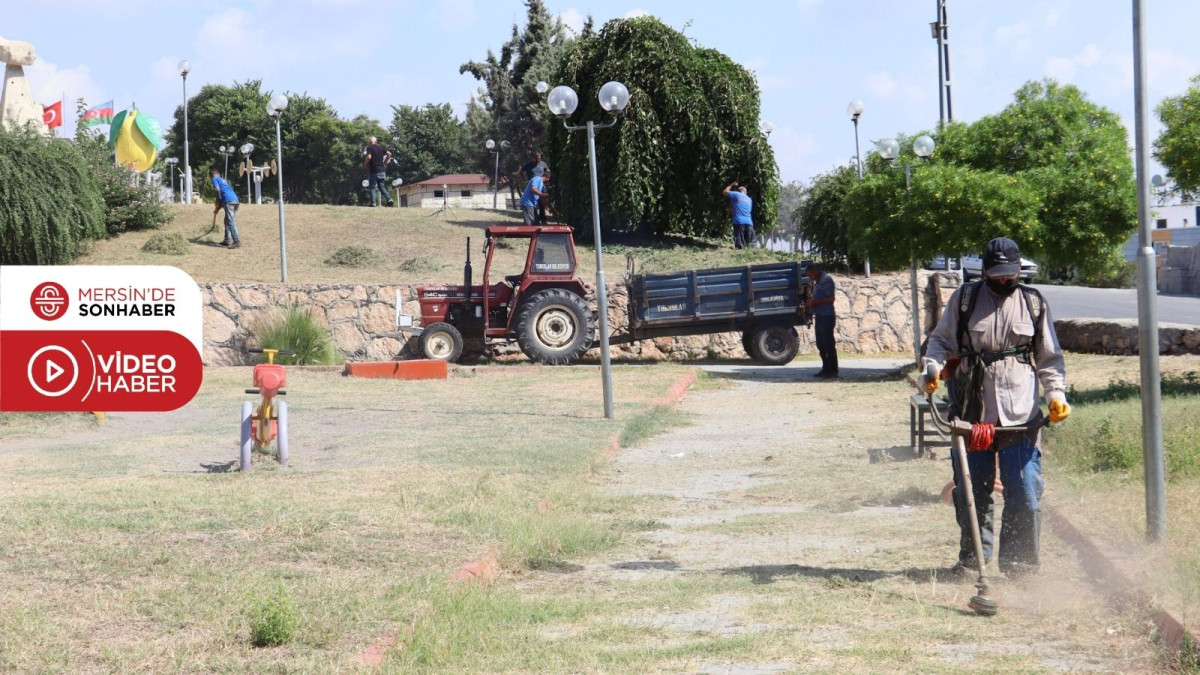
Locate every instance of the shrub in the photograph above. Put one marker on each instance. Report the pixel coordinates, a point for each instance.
(300, 332)
(50, 201)
(355, 256)
(419, 264)
(167, 243)
(273, 618)
(130, 205)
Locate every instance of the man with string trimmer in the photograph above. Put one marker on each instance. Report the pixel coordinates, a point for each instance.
(994, 344)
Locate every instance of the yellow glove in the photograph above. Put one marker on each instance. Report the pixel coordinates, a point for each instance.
(1059, 410)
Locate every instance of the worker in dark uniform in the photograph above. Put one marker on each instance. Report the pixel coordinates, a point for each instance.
(824, 320)
(1003, 337)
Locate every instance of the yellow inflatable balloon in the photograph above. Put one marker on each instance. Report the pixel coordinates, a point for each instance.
(135, 138)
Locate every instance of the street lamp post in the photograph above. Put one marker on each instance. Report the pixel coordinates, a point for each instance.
(171, 162)
(889, 149)
(396, 184)
(491, 145)
(275, 108)
(855, 110)
(184, 69)
(226, 151)
(613, 98)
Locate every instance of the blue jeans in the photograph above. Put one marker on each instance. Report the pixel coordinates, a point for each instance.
(231, 233)
(1021, 522)
(379, 181)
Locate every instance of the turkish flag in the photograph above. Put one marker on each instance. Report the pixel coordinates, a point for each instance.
(52, 114)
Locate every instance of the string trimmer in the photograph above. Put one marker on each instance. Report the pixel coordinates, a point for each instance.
(960, 433)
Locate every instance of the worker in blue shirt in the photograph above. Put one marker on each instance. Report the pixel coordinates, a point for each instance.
(534, 191)
(227, 200)
(740, 207)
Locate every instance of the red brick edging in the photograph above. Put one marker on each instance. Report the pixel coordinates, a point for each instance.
(1117, 585)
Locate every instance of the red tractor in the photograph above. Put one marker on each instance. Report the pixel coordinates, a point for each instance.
(544, 309)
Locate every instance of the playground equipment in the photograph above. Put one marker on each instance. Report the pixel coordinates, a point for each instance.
(270, 421)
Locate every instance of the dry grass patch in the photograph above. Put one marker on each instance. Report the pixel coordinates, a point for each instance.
(130, 547)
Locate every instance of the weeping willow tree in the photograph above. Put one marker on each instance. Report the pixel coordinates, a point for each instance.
(50, 200)
(691, 128)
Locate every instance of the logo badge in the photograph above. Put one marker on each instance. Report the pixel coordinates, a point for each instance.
(49, 301)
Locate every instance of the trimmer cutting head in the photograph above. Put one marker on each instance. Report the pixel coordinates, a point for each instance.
(982, 604)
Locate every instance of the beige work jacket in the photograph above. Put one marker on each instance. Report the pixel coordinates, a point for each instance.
(1010, 387)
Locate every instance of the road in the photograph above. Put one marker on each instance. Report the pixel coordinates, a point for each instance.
(1070, 302)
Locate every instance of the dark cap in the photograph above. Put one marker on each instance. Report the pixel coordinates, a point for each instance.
(1002, 257)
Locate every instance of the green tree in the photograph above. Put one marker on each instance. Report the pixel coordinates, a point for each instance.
(220, 115)
(691, 127)
(428, 140)
(822, 215)
(510, 97)
(50, 200)
(1052, 171)
(1178, 146)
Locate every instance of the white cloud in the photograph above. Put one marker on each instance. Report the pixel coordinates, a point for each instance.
(455, 15)
(573, 19)
(49, 83)
(882, 85)
(1064, 68)
(1090, 56)
(1016, 36)
(793, 153)
(1053, 16)
(635, 13)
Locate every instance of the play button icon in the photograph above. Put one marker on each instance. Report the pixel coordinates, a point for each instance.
(56, 362)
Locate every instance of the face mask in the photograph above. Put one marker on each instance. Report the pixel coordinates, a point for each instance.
(1004, 288)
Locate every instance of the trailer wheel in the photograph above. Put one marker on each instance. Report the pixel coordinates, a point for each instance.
(776, 345)
(441, 342)
(555, 327)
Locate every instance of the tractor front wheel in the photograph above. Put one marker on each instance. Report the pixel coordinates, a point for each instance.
(775, 345)
(441, 342)
(555, 327)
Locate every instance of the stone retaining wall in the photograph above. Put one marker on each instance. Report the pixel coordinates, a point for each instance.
(1120, 336)
(873, 316)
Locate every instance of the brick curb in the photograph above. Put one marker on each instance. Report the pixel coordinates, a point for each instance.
(1117, 585)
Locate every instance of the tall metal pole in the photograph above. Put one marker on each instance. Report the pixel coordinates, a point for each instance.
(496, 180)
(1152, 437)
(858, 161)
(279, 173)
(944, 44)
(601, 288)
(912, 279)
(936, 26)
(187, 162)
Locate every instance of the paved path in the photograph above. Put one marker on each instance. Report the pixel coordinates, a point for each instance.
(793, 517)
(1072, 302)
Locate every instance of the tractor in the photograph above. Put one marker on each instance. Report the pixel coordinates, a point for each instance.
(544, 309)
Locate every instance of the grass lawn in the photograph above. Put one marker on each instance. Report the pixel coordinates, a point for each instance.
(413, 246)
(132, 546)
(1095, 467)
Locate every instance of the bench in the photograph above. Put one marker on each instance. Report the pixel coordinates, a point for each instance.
(918, 409)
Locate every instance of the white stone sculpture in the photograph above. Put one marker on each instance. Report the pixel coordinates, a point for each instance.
(17, 106)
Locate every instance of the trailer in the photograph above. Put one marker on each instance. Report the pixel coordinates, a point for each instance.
(764, 303)
(546, 308)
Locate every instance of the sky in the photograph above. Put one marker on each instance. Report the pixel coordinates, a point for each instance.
(811, 57)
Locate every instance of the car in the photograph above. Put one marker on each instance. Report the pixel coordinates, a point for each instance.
(939, 263)
(972, 267)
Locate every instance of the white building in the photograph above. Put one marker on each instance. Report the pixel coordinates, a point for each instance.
(456, 190)
(1170, 225)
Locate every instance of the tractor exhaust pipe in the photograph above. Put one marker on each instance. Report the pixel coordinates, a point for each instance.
(467, 273)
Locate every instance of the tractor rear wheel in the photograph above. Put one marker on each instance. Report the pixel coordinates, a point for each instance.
(775, 345)
(441, 342)
(555, 327)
